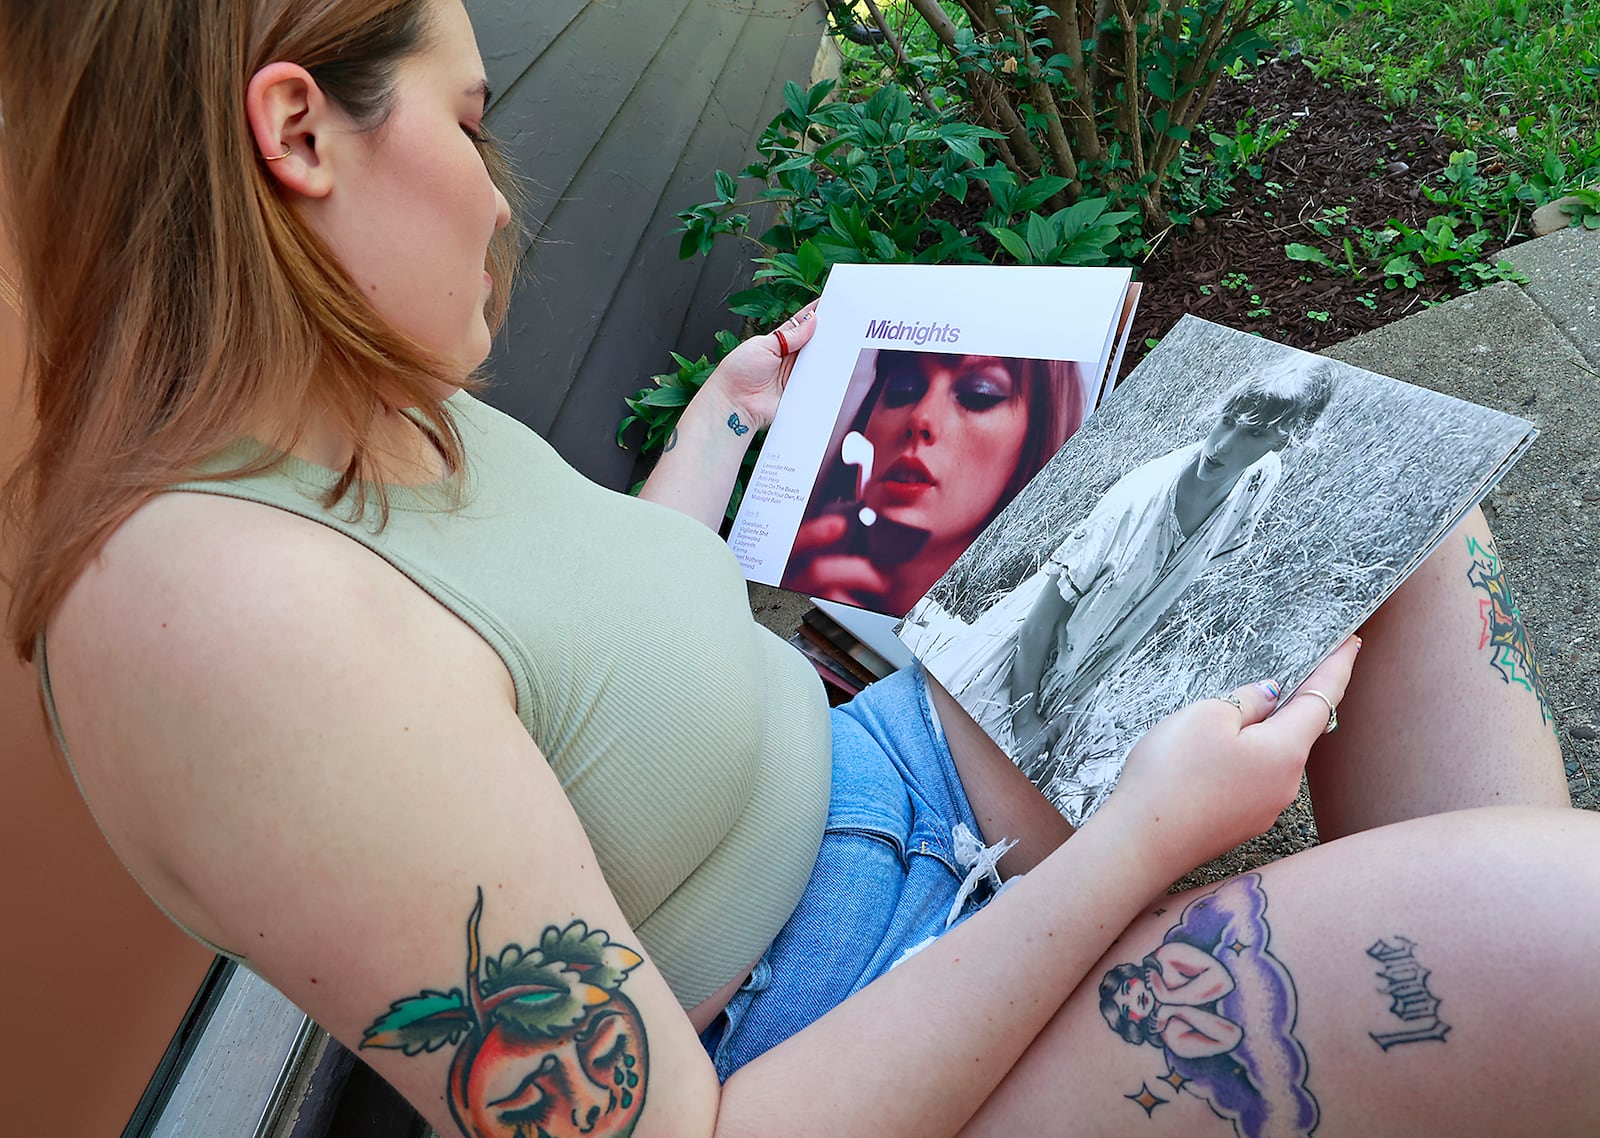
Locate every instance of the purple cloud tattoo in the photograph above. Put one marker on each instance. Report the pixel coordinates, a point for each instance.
(1222, 1010)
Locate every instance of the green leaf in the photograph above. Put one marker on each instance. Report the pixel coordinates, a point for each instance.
(1298, 252)
(1012, 243)
(1078, 216)
(794, 96)
(956, 185)
(666, 396)
(548, 1012)
(798, 162)
(1038, 191)
(818, 94)
(1403, 269)
(836, 249)
(727, 188)
(599, 960)
(811, 261)
(756, 303)
(421, 1023)
(535, 992)
(1040, 235)
(883, 249)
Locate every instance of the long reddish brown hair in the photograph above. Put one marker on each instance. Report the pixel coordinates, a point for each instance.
(174, 302)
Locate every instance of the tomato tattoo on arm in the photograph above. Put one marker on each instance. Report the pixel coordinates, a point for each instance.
(547, 1045)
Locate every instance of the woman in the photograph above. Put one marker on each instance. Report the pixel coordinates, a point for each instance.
(954, 438)
(1163, 1002)
(520, 836)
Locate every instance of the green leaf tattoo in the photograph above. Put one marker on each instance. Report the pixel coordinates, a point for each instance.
(1503, 633)
(548, 1045)
(421, 1023)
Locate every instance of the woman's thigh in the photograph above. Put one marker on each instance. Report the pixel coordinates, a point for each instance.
(1438, 976)
(1446, 707)
(1004, 802)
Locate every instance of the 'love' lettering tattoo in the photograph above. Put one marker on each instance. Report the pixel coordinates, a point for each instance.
(1406, 984)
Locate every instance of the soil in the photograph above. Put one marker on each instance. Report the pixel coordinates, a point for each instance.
(1346, 149)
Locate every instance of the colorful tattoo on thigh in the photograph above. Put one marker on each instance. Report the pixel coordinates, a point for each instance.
(1406, 984)
(547, 1046)
(1503, 632)
(1221, 1009)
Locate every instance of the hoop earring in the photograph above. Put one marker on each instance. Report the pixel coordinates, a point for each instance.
(287, 150)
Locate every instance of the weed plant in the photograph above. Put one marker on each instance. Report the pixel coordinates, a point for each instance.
(1515, 84)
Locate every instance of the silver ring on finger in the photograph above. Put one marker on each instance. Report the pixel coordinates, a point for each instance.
(1333, 715)
(1233, 699)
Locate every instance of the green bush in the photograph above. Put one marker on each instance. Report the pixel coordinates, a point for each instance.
(1050, 133)
(1105, 93)
(866, 182)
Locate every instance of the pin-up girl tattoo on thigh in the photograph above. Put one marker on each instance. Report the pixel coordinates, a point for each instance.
(1221, 1008)
(547, 1044)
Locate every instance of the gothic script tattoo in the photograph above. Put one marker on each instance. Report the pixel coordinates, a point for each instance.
(547, 1044)
(1406, 985)
(1503, 632)
(1221, 1008)
(737, 427)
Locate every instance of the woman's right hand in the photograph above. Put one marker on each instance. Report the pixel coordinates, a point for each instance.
(1209, 777)
(819, 565)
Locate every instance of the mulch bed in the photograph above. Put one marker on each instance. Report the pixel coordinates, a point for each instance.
(1347, 149)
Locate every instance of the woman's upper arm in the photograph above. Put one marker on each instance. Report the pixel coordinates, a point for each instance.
(310, 762)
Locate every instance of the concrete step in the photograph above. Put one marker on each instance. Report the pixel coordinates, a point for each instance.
(1563, 272)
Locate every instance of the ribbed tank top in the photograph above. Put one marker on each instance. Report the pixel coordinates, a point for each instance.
(692, 743)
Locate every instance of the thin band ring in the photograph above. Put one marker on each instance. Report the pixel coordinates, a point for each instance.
(783, 342)
(1333, 715)
(287, 150)
(1233, 699)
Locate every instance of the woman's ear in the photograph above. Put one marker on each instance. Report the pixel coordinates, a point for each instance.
(289, 116)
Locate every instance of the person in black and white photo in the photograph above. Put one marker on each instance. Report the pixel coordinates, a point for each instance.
(1156, 531)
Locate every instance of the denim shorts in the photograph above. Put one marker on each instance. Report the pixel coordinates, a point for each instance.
(886, 879)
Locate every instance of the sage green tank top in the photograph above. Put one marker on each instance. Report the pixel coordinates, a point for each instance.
(692, 743)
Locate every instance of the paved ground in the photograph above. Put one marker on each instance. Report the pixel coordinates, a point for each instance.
(1532, 350)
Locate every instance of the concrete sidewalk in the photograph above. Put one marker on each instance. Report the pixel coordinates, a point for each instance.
(1531, 350)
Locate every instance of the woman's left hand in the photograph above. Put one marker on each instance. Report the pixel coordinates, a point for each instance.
(751, 378)
(1211, 775)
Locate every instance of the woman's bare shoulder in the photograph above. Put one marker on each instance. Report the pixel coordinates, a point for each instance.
(213, 639)
(199, 579)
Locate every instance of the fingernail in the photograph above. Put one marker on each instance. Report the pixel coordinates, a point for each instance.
(1357, 639)
(1270, 689)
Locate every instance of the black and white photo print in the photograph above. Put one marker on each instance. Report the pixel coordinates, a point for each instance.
(1234, 510)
